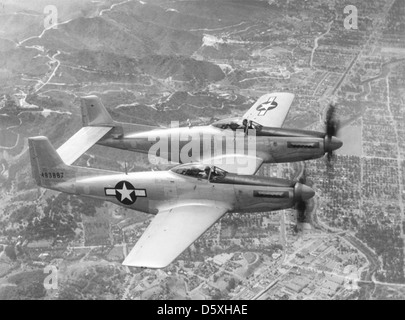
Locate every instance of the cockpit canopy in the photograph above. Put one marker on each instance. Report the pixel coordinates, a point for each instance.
(237, 123)
(216, 175)
(200, 171)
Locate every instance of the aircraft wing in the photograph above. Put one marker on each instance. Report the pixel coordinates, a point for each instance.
(271, 109)
(236, 163)
(170, 233)
(80, 142)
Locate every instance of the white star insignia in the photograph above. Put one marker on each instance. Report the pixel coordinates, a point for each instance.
(125, 193)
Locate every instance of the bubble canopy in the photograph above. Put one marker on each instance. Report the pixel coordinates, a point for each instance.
(215, 174)
(199, 171)
(236, 123)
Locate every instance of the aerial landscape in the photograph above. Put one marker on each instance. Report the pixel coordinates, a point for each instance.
(157, 61)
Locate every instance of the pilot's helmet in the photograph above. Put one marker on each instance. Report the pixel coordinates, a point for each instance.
(244, 122)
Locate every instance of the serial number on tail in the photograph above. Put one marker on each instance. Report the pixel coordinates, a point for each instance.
(52, 175)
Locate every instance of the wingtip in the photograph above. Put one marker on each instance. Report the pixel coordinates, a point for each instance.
(38, 138)
(145, 264)
(152, 262)
(281, 94)
(90, 96)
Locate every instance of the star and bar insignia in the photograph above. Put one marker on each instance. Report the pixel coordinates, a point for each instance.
(125, 192)
(267, 105)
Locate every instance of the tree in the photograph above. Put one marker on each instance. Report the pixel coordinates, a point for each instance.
(231, 284)
(10, 252)
(217, 295)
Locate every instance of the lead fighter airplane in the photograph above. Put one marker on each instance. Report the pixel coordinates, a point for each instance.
(187, 200)
(265, 118)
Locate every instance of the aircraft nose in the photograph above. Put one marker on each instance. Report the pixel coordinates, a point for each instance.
(332, 144)
(303, 192)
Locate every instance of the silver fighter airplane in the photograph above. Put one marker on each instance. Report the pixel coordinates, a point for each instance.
(187, 200)
(264, 120)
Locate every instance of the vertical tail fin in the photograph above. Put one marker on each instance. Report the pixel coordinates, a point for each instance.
(50, 171)
(94, 113)
(47, 166)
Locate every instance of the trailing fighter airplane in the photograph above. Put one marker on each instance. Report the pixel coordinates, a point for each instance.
(187, 200)
(264, 120)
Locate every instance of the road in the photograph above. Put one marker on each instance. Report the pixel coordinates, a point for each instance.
(319, 37)
(373, 33)
(346, 72)
(130, 284)
(399, 166)
(114, 5)
(371, 256)
(52, 61)
(368, 253)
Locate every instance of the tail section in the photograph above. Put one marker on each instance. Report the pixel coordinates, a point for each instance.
(47, 166)
(50, 171)
(97, 124)
(94, 113)
(98, 127)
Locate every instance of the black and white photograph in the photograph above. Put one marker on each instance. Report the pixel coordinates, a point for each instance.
(206, 151)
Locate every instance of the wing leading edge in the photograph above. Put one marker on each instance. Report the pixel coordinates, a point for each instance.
(170, 233)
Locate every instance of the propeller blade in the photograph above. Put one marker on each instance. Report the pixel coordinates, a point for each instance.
(330, 156)
(332, 126)
(331, 121)
(301, 207)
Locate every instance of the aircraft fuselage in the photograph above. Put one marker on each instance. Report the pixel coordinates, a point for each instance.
(273, 145)
(154, 191)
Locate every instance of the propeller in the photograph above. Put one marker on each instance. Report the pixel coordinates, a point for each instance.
(332, 126)
(332, 122)
(301, 208)
(304, 195)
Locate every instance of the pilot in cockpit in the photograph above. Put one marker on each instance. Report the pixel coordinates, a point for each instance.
(217, 174)
(247, 124)
(207, 172)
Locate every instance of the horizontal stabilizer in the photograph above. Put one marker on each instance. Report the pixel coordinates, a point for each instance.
(80, 142)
